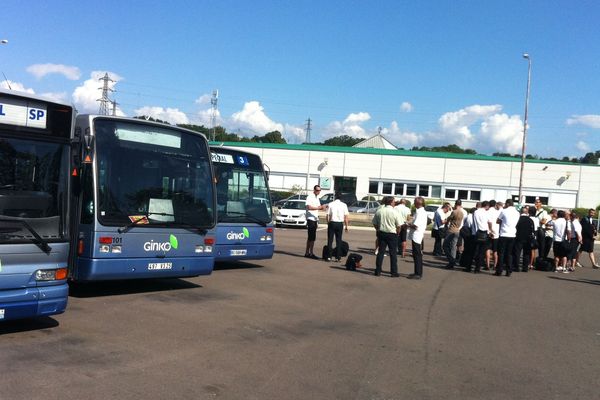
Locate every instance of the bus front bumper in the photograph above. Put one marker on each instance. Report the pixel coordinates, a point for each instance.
(141, 268)
(243, 252)
(33, 302)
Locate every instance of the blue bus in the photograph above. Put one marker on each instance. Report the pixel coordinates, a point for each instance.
(245, 221)
(35, 159)
(146, 202)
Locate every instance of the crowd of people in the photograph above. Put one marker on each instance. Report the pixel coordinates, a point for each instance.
(493, 236)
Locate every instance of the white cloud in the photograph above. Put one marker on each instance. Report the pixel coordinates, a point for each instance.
(406, 107)
(589, 120)
(170, 115)
(583, 147)
(17, 86)
(61, 97)
(41, 70)
(502, 132)
(401, 139)
(204, 99)
(204, 117)
(455, 127)
(86, 96)
(253, 118)
(351, 126)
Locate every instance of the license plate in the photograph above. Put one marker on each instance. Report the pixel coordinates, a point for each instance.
(238, 252)
(289, 221)
(153, 266)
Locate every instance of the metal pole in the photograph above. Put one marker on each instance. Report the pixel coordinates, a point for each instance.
(524, 128)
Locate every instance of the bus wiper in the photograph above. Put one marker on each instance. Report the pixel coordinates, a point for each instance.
(249, 217)
(133, 223)
(39, 241)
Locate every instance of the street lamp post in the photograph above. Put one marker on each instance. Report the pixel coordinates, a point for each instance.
(526, 56)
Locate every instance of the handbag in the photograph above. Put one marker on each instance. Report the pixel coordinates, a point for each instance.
(442, 232)
(533, 243)
(482, 236)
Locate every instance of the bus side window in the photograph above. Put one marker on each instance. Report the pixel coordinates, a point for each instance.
(87, 195)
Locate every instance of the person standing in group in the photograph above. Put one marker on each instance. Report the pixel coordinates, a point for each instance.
(507, 219)
(387, 226)
(534, 244)
(559, 229)
(544, 236)
(492, 253)
(337, 219)
(438, 229)
(588, 233)
(416, 233)
(481, 220)
(454, 222)
(313, 205)
(574, 239)
(525, 232)
(404, 212)
(468, 234)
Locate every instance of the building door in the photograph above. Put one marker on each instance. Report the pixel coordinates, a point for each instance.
(344, 184)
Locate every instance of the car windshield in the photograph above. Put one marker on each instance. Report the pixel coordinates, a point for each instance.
(360, 204)
(294, 205)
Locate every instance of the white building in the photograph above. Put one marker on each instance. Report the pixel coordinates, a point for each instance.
(447, 176)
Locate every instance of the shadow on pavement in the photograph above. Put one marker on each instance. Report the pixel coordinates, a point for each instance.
(117, 288)
(588, 281)
(226, 265)
(25, 325)
(287, 253)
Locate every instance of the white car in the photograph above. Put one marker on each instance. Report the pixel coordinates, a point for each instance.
(292, 213)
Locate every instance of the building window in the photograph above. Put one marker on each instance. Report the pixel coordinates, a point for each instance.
(436, 191)
(387, 188)
(399, 189)
(424, 190)
(450, 194)
(463, 194)
(411, 189)
(373, 187)
(475, 195)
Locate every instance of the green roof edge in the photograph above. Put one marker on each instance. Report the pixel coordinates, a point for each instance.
(407, 153)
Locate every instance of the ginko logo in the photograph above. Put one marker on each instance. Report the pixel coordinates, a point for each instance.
(162, 246)
(238, 235)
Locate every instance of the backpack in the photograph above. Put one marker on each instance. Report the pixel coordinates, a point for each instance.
(353, 261)
(544, 264)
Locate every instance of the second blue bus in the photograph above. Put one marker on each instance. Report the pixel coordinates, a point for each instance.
(245, 221)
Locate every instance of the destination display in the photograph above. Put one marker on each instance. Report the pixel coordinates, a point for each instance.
(23, 113)
(222, 158)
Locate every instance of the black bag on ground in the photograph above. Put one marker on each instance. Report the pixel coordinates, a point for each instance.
(544, 264)
(345, 249)
(344, 252)
(324, 255)
(353, 261)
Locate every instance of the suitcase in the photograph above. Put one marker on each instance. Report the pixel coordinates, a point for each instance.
(344, 252)
(324, 253)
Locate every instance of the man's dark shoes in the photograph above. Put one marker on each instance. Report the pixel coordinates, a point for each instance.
(311, 256)
(377, 273)
(449, 266)
(414, 276)
(394, 275)
(497, 273)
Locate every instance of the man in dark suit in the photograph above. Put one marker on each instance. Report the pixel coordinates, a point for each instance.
(588, 232)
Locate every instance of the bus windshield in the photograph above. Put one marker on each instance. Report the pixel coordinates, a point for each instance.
(242, 195)
(32, 190)
(152, 175)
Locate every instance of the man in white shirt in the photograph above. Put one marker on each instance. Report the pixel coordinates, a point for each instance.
(337, 218)
(313, 205)
(491, 257)
(416, 233)
(481, 221)
(404, 213)
(439, 230)
(507, 219)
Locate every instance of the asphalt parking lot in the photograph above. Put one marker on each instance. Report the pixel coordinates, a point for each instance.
(292, 328)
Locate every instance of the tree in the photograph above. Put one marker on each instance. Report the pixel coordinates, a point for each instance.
(270, 137)
(343, 140)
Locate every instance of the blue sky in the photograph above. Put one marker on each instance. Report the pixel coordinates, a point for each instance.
(427, 73)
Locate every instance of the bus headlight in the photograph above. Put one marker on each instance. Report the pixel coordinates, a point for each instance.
(116, 249)
(199, 249)
(104, 248)
(51, 274)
